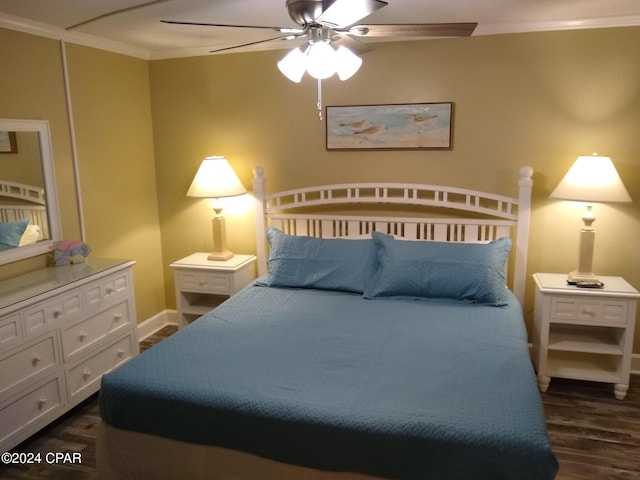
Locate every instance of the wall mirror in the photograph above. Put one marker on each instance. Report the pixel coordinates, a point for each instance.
(29, 216)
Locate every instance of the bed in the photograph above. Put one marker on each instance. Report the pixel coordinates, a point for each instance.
(370, 346)
(23, 215)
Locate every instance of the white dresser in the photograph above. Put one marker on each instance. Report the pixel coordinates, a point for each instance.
(61, 329)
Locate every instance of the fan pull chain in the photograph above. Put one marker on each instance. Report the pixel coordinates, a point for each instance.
(319, 104)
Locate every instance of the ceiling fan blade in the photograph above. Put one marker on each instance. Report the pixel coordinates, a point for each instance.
(352, 44)
(416, 30)
(342, 13)
(293, 31)
(283, 37)
(115, 12)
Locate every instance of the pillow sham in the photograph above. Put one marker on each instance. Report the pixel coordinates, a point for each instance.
(11, 232)
(30, 236)
(326, 264)
(465, 271)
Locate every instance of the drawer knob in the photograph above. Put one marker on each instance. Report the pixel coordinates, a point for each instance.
(42, 401)
(202, 282)
(57, 313)
(117, 317)
(120, 353)
(587, 311)
(86, 375)
(36, 360)
(82, 337)
(109, 290)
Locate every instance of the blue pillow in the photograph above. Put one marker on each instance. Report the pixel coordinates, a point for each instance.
(465, 271)
(11, 232)
(326, 264)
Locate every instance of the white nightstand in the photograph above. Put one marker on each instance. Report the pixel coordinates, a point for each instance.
(584, 333)
(202, 284)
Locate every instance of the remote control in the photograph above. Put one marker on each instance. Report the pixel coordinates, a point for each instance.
(590, 284)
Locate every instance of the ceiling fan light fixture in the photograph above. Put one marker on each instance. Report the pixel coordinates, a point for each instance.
(293, 65)
(347, 63)
(321, 60)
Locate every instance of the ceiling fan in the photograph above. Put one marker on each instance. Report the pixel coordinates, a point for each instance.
(331, 30)
(336, 21)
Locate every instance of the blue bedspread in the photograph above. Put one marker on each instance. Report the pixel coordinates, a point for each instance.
(399, 388)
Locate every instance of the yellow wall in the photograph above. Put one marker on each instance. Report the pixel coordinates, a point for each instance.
(112, 117)
(527, 99)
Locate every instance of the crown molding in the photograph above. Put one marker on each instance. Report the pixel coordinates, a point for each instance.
(44, 30)
(530, 27)
(11, 22)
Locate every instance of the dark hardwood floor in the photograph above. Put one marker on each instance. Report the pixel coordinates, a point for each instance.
(594, 436)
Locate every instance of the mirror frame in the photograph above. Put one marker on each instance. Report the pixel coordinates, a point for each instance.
(41, 127)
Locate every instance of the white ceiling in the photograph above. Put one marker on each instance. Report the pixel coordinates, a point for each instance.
(138, 32)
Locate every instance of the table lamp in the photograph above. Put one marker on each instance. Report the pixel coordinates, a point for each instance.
(216, 179)
(592, 178)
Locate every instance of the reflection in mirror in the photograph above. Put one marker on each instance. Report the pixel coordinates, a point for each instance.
(29, 217)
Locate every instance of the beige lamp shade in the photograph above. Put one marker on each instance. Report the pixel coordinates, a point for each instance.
(592, 178)
(215, 179)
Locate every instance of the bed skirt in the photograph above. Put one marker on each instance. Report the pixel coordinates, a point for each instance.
(125, 455)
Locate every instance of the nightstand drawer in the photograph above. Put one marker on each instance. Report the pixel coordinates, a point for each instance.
(208, 282)
(570, 309)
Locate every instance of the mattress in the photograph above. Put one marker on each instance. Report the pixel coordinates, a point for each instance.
(394, 387)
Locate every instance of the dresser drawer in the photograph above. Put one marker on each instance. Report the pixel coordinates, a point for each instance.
(84, 378)
(581, 310)
(51, 313)
(10, 331)
(21, 366)
(80, 336)
(107, 290)
(21, 413)
(205, 282)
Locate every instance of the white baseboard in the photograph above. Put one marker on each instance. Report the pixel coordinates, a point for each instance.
(151, 325)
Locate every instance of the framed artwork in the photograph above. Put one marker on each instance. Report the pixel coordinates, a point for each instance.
(8, 142)
(411, 126)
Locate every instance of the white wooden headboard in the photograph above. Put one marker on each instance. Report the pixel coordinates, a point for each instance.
(27, 201)
(495, 216)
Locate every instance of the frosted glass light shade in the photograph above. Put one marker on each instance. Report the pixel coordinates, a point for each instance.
(347, 63)
(293, 65)
(592, 178)
(321, 60)
(215, 179)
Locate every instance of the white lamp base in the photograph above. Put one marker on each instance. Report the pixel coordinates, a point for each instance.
(584, 271)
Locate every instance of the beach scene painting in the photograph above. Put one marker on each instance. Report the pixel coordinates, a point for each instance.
(390, 127)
